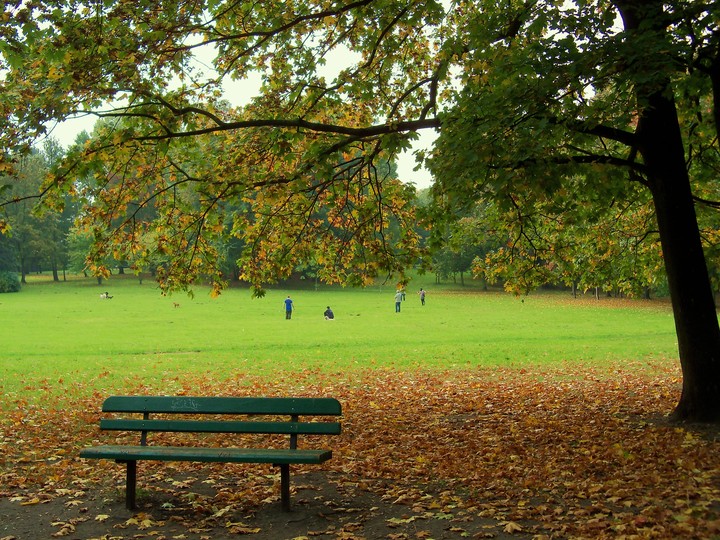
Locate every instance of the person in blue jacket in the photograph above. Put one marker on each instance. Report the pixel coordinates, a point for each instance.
(288, 307)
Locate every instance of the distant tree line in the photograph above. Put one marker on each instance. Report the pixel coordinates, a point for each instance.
(616, 253)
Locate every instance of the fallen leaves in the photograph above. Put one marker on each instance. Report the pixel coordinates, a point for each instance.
(241, 528)
(141, 521)
(474, 453)
(66, 527)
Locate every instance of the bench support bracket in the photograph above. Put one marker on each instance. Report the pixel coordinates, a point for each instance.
(130, 483)
(285, 487)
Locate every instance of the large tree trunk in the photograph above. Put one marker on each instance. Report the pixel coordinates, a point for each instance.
(696, 321)
(661, 146)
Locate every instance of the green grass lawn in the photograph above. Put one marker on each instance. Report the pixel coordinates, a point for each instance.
(64, 332)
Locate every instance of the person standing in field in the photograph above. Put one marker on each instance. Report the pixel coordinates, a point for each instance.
(421, 293)
(288, 307)
(398, 300)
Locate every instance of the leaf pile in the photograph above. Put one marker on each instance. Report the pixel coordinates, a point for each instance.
(505, 453)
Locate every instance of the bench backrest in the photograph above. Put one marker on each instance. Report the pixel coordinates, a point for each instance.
(292, 408)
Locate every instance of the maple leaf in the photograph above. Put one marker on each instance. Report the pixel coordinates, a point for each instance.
(512, 527)
(222, 511)
(65, 529)
(396, 522)
(146, 524)
(241, 528)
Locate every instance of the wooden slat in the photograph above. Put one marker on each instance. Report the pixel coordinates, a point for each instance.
(203, 454)
(220, 426)
(222, 405)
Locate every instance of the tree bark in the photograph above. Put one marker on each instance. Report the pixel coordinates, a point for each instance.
(696, 322)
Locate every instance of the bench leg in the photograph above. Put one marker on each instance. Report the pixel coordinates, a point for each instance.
(130, 483)
(285, 487)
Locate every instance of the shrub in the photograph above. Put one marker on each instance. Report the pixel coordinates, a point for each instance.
(9, 282)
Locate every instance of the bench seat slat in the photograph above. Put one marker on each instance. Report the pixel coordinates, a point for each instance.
(221, 426)
(204, 454)
(223, 405)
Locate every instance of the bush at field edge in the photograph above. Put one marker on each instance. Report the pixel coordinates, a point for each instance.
(9, 282)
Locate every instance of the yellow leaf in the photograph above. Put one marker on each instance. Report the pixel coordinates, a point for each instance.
(101, 517)
(222, 511)
(512, 527)
(238, 527)
(245, 530)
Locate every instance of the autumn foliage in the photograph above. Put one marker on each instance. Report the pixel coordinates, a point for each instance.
(489, 453)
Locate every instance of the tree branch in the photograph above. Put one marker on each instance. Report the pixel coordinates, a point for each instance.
(317, 127)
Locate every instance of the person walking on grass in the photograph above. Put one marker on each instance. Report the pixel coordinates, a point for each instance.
(288, 307)
(421, 293)
(398, 299)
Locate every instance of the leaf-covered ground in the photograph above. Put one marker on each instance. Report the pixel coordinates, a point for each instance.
(495, 453)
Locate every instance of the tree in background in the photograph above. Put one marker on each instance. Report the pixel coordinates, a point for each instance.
(37, 239)
(468, 239)
(527, 95)
(9, 278)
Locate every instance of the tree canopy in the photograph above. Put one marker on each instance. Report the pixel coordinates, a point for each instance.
(557, 112)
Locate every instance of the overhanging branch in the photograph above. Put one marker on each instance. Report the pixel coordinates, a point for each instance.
(317, 127)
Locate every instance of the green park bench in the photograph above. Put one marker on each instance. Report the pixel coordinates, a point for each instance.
(238, 415)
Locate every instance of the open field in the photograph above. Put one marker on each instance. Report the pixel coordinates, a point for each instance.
(479, 415)
(65, 332)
